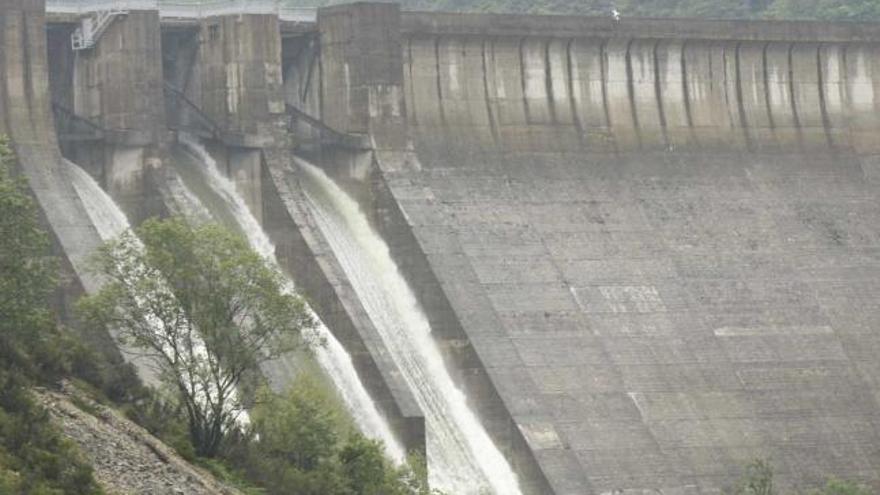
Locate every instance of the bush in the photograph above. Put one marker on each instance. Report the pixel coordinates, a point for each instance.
(34, 458)
(204, 308)
(301, 445)
(758, 480)
(840, 487)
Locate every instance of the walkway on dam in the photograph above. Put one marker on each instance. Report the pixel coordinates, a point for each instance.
(193, 9)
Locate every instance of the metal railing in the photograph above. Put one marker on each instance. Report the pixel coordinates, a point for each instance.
(326, 135)
(92, 6)
(92, 27)
(193, 9)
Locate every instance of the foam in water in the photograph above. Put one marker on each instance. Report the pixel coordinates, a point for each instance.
(105, 214)
(462, 459)
(331, 356)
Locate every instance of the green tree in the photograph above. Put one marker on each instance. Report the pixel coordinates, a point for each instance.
(302, 427)
(27, 273)
(758, 479)
(204, 308)
(297, 438)
(366, 469)
(34, 458)
(302, 445)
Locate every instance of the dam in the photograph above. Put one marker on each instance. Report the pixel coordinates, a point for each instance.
(562, 255)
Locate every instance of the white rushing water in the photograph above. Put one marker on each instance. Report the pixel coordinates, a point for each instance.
(111, 222)
(106, 216)
(332, 357)
(462, 459)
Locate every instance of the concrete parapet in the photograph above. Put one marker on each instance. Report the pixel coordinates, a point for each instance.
(519, 25)
(550, 84)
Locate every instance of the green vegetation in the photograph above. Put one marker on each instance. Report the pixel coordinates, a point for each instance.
(199, 303)
(758, 480)
(854, 10)
(34, 458)
(297, 443)
(299, 440)
(208, 310)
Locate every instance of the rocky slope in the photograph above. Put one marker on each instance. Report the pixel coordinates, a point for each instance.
(125, 457)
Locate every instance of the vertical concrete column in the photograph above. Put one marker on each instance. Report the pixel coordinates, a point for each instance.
(362, 71)
(25, 117)
(24, 106)
(241, 77)
(118, 82)
(242, 91)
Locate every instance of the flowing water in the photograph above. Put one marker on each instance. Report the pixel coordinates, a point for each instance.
(111, 222)
(462, 459)
(106, 216)
(331, 356)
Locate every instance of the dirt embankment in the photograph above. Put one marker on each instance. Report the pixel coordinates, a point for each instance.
(126, 458)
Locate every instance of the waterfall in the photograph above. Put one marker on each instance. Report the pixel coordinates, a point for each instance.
(462, 459)
(106, 216)
(110, 222)
(331, 356)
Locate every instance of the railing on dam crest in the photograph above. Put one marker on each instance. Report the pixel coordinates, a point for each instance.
(193, 9)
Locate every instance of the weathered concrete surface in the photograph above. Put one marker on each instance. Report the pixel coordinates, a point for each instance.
(305, 254)
(653, 322)
(118, 83)
(240, 77)
(657, 239)
(361, 92)
(361, 71)
(25, 117)
(572, 84)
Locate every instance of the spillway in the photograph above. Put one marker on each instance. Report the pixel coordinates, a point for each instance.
(108, 218)
(111, 222)
(462, 459)
(332, 357)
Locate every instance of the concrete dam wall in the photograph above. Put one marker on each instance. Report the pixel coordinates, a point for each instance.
(534, 84)
(647, 250)
(651, 242)
(26, 119)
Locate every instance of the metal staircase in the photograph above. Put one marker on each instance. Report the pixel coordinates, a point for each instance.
(92, 26)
